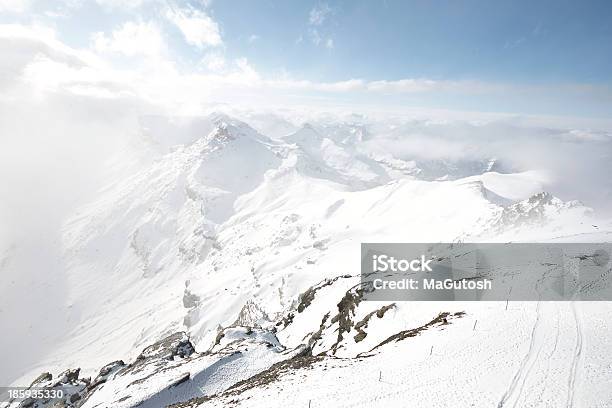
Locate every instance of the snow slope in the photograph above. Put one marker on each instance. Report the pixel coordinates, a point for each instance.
(249, 247)
(533, 354)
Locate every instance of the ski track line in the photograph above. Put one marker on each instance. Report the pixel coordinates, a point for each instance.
(552, 352)
(571, 382)
(528, 361)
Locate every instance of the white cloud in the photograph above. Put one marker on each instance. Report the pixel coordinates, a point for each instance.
(14, 6)
(237, 81)
(317, 39)
(19, 44)
(39, 33)
(61, 68)
(131, 39)
(197, 27)
(404, 85)
(319, 14)
(63, 9)
(56, 14)
(121, 4)
(246, 69)
(252, 38)
(351, 85)
(214, 61)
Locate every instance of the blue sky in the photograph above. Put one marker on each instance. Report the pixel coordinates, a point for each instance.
(545, 57)
(485, 40)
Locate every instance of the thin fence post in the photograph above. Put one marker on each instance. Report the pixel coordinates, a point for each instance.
(474, 328)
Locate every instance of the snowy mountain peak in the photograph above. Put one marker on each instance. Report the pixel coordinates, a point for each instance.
(543, 210)
(221, 135)
(307, 135)
(227, 129)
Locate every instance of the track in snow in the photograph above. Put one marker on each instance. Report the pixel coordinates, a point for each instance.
(571, 383)
(543, 348)
(515, 389)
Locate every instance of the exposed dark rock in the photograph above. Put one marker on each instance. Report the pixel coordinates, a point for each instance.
(73, 388)
(305, 299)
(69, 376)
(441, 319)
(42, 378)
(346, 310)
(302, 360)
(316, 336)
(176, 344)
(361, 325)
(185, 377)
(106, 372)
(286, 320)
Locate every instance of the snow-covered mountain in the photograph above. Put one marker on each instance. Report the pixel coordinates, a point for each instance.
(226, 272)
